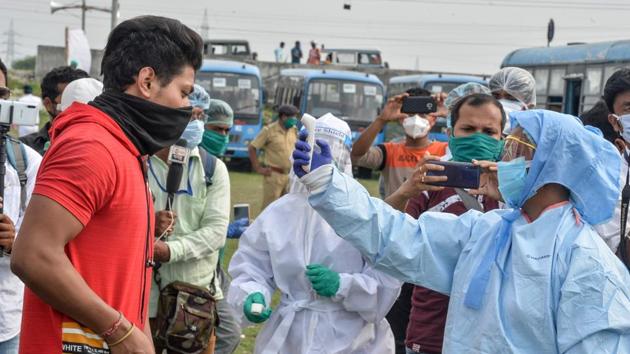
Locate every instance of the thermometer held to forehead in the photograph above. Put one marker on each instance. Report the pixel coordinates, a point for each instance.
(309, 124)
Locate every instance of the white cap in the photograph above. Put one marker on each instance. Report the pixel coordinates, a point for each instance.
(81, 90)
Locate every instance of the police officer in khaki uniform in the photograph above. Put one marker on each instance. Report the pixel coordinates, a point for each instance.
(277, 141)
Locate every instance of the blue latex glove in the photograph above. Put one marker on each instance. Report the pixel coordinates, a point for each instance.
(256, 298)
(324, 280)
(236, 229)
(301, 155)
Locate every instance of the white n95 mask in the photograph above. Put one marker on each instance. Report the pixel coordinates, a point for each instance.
(416, 126)
(624, 121)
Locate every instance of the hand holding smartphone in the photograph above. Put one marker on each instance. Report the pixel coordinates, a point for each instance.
(459, 174)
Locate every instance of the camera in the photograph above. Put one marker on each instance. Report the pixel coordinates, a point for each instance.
(18, 113)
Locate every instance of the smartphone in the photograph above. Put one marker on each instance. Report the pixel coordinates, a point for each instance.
(460, 174)
(241, 211)
(418, 104)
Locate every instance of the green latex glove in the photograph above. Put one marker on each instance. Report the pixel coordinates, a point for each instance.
(324, 281)
(256, 298)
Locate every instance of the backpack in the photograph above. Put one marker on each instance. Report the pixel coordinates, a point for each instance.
(209, 163)
(16, 156)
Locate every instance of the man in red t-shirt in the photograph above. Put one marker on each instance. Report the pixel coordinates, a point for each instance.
(86, 243)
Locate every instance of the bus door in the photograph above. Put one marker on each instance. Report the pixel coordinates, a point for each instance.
(573, 94)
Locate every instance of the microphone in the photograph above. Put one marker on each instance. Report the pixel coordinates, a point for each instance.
(177, 157)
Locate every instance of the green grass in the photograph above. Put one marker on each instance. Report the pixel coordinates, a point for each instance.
(247, 188)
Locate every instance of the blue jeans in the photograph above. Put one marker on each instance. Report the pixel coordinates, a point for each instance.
(10, 346)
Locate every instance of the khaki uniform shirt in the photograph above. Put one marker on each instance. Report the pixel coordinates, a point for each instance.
(278, 145)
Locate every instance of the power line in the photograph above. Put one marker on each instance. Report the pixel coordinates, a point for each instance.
(528, 4)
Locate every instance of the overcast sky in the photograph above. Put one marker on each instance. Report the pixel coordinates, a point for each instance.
(453, 35)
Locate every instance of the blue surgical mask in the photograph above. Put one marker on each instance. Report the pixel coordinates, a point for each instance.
(511, 177)
(193, 133)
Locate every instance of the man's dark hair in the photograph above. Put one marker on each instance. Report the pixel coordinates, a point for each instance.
(59, 75)
(597, 117)
(297, 43)
(281, 44)
(163, 44)
(5, 72)
(418, 91)
(618, 83)
(476, 100)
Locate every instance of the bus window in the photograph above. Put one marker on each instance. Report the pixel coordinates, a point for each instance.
(541, 76)
(397, 89)
(593, 81)
(240, 49)
(356, 102)
(346, 58)
(556, 82)
(610, 69)
(241, 92)
(369, 59)
(437, 87)
(219, 49)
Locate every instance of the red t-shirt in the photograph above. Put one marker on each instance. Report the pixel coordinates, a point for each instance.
(94, 171)
(427, 319)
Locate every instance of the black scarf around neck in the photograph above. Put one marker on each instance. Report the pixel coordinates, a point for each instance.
(150, 126)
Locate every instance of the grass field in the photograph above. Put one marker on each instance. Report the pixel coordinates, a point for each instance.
(247, 188)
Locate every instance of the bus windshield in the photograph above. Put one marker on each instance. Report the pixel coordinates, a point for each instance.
(441, 86)
(241, 92)
(355, 102)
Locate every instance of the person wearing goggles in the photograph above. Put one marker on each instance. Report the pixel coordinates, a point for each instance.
(531, 278)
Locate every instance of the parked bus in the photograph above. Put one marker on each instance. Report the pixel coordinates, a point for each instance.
(352, 96)
(240, 85)
(571, 78)
(434, 83)
(352, 57)
(226, 48)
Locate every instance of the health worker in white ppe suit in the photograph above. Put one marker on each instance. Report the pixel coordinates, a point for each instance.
(533, 278)
(332, 301)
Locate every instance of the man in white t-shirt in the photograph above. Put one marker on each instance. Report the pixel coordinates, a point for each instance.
(11, 288)
(30, 99)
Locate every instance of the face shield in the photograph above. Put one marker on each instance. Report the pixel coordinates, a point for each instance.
(518, 144)
(516, 158)
(337, 134)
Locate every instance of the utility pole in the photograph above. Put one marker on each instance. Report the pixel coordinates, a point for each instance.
(10, 44)
(205, 26)
(115, 10)
(54, 7)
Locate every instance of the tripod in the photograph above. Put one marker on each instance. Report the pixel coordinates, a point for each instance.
(4, 130)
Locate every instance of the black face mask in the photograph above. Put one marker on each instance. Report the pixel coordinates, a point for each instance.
(150, 126)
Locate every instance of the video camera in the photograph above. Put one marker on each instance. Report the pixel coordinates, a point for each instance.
(18, 113)
(13, 113)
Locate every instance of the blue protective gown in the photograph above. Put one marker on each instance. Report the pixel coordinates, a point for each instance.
(554, 288)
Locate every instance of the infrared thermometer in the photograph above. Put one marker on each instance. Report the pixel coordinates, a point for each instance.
(308, 121)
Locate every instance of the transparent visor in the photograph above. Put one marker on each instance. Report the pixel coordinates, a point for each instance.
(518, 144)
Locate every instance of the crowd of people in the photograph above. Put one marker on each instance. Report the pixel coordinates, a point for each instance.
(313, 58)
(122, 206)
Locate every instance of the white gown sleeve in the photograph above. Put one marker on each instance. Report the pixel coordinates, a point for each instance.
(251, 270)
(370, 293)
(423, 252)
